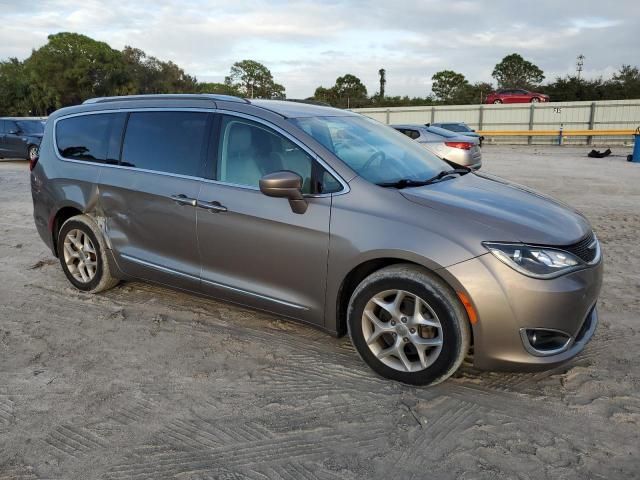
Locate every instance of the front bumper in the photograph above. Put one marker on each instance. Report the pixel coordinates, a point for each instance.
(507, 302)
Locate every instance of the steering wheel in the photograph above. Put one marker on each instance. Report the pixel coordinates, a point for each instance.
(370, 160)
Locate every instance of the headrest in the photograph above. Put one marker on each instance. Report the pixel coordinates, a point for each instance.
(240, 137)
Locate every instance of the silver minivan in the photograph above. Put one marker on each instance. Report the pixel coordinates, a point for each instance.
(321, 215)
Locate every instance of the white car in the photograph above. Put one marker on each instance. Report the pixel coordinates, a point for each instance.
(454, 148)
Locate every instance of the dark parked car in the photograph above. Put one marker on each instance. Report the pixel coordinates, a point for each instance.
(459, 127)
(516, 95)
(20, 137)
(321, 215)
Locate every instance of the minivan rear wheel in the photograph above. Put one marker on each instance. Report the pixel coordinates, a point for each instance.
(82, 254)
(408, 325)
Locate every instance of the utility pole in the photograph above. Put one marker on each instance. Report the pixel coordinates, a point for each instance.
(579, 65)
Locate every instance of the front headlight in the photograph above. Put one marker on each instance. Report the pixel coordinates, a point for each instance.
(537, 262)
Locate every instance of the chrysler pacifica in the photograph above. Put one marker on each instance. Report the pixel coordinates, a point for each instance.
(321, 215)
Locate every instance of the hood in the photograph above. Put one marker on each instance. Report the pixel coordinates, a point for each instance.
(521, 214)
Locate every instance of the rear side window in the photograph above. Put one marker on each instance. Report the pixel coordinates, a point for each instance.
(413, 134)
(92, 138)
(409, 133)
(170, 142)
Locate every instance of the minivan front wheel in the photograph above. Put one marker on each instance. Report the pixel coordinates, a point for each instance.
(82, 254)
(407, 325)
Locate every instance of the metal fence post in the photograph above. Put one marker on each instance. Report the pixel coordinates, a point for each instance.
(388, 115)
(433, 114)
(592, 121)
(532, 109)
(480, 117)
(560, 136)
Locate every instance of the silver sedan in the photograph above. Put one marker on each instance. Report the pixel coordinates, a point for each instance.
(452, 147)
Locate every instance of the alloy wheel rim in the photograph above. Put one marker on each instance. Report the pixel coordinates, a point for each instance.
(80, 256)
(33, 153)
(402, 330)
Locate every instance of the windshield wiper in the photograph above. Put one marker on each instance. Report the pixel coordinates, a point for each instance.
(446, 173)
(402, 183)
(407, 182)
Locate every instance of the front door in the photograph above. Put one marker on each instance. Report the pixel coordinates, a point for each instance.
(255, 250)
(148, 199)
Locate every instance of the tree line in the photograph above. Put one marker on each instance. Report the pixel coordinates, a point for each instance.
(513, 71)
(71, 67)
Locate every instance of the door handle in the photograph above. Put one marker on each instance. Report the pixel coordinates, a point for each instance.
(182, 199)
(214, 207)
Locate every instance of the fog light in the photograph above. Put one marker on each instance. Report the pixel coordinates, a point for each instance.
(540, 341)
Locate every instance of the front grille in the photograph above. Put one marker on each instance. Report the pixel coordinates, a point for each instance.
(582, 250)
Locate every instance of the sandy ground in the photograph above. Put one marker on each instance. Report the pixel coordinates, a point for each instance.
(145, 382)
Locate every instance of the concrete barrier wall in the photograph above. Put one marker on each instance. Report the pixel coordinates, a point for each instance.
(602, 115)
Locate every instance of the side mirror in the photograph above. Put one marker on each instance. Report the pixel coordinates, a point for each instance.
(14, 132)
(285, 184)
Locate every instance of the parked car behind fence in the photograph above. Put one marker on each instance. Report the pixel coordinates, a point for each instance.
(516, 95)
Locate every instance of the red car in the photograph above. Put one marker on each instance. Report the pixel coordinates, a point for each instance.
(516, 95)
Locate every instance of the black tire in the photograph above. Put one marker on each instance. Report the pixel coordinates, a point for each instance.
(441, 299)
(102, 279)
(32, 152)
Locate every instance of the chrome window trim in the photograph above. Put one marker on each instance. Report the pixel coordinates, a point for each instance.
(345, 185)
(215, 284)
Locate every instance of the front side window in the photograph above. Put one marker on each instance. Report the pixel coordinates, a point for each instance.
(91, 138)
(249, 150)
(171, 142)
(12, 127)
(374, 151)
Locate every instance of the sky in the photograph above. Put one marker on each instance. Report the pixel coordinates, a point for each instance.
(306, 44)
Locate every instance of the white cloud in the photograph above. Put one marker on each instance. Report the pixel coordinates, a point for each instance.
(308, 43)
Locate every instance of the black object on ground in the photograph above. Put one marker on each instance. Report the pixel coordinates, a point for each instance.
(599, 154)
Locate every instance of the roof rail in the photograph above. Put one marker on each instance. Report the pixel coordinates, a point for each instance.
(168, 96)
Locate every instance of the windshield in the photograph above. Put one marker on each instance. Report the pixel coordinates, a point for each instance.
(374, 151)
(33, 126)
